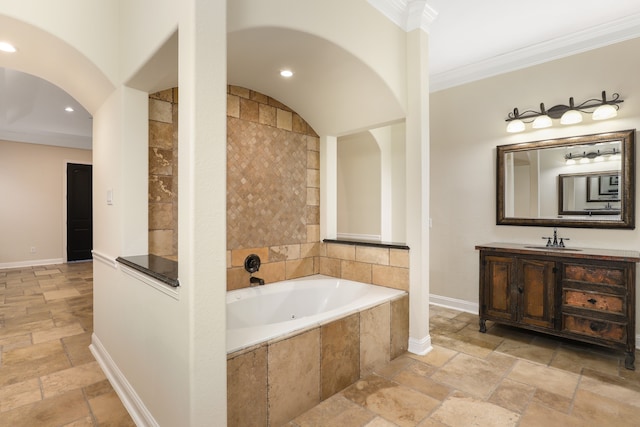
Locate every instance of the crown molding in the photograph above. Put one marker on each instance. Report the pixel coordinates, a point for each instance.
(595, 37)
(407, 14)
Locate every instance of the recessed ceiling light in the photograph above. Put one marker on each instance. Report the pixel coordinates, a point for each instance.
(7, 47)
(69, 109)
(286, 73)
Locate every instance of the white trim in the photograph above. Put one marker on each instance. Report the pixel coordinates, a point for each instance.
(407, 14)
(421, 346)
(130, 399)
(638, 342)
(456, 304)
(595, 37)
(31, 263)
(154, 283)
(354, 236)
(105, 259)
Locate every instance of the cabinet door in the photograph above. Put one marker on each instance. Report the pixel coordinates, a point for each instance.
(536, 288)
(499, 299)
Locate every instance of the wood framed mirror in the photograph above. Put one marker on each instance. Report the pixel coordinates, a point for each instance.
(583, 181)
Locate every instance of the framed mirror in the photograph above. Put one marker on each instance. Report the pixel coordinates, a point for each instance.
(583, 181)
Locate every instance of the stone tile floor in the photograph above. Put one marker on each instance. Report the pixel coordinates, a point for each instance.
(506, 377)
(48, 376)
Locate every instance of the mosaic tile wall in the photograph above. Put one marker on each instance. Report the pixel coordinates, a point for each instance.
(163, 173)
(273, 189)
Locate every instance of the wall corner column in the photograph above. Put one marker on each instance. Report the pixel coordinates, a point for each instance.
(417, 187)
(328, 187)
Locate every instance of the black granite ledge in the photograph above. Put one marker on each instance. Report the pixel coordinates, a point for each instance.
(162, 269)
(367, 243)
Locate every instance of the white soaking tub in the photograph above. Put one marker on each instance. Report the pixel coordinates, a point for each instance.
(262, 313)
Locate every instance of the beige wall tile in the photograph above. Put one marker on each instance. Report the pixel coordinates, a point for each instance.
(249, 110)
(233, 106)
(160, 189)
(160, 216)
(284, 252)
(267, 115)
(228, 259)
(345, 252)
(161, 242)
(272, 272)
(399, 326)
(160, 111)
(163, 95)
(313, 160)
(358, 271)
(372, 255)
(392, 277)
(239, 255)
(309, 249)
(399, 258)
(340, 357)
(237, 278)
(299, 268)
(313, 143)
(240, 91)
(247, 384)
(313, 196)
(160, 134)
(313, 178)
(259, 97)
(313, 233)
(298, 124)
(374, 338)
(293, 376)
(284, 119)
(330, 266)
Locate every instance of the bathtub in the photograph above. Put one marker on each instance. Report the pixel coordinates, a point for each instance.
(262, 313)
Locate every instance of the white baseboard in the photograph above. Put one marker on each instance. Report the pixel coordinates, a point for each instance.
(31, 263)
(421, 346)
(456, 304)
(130, 399)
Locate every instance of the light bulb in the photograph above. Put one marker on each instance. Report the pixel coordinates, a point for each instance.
(604, 112)
(571, 117)
(542, 122)
(515, 126)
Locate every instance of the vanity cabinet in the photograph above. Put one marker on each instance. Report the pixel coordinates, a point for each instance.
(582, 294)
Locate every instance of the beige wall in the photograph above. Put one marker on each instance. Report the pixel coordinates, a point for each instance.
(467, 123)
(32, 179)
(359, 185)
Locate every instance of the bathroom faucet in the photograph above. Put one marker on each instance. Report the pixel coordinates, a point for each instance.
(555, 243)
(253, 280)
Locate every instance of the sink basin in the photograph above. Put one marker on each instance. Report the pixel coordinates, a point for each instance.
(551, 248)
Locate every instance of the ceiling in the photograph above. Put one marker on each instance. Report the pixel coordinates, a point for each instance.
(469, 40)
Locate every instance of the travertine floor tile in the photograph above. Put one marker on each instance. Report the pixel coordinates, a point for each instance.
(336, 411)
(471, 375)
(549, 379)
(71, 379)
(464, 411)
(20, 394)
(537, 415)
(603, 411)
(109, 411)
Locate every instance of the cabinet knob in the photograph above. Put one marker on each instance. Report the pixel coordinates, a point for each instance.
(592, 301)
(597, 327)
(520, 290)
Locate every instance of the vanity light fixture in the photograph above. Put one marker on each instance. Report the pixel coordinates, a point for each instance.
(600, 109)
(586, 156)
(7, 47)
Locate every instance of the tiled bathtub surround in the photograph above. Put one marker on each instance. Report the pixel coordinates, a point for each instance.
(163, 173)
(286, 377)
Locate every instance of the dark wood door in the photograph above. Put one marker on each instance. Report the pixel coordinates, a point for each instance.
(498, 301)
(79, 212)
(536, 290)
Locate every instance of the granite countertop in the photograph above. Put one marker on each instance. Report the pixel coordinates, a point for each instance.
(567, 252)
(162, 269)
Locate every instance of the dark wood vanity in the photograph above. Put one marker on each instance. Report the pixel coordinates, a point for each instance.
(582, 294)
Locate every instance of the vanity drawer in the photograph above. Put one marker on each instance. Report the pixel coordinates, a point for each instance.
(606, 275)
(595, 301)
(610, 331)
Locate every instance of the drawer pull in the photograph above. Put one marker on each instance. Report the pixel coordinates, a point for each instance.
(597, 327)
(592, 301)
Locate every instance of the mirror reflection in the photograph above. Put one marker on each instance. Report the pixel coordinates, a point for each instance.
(582, 181)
